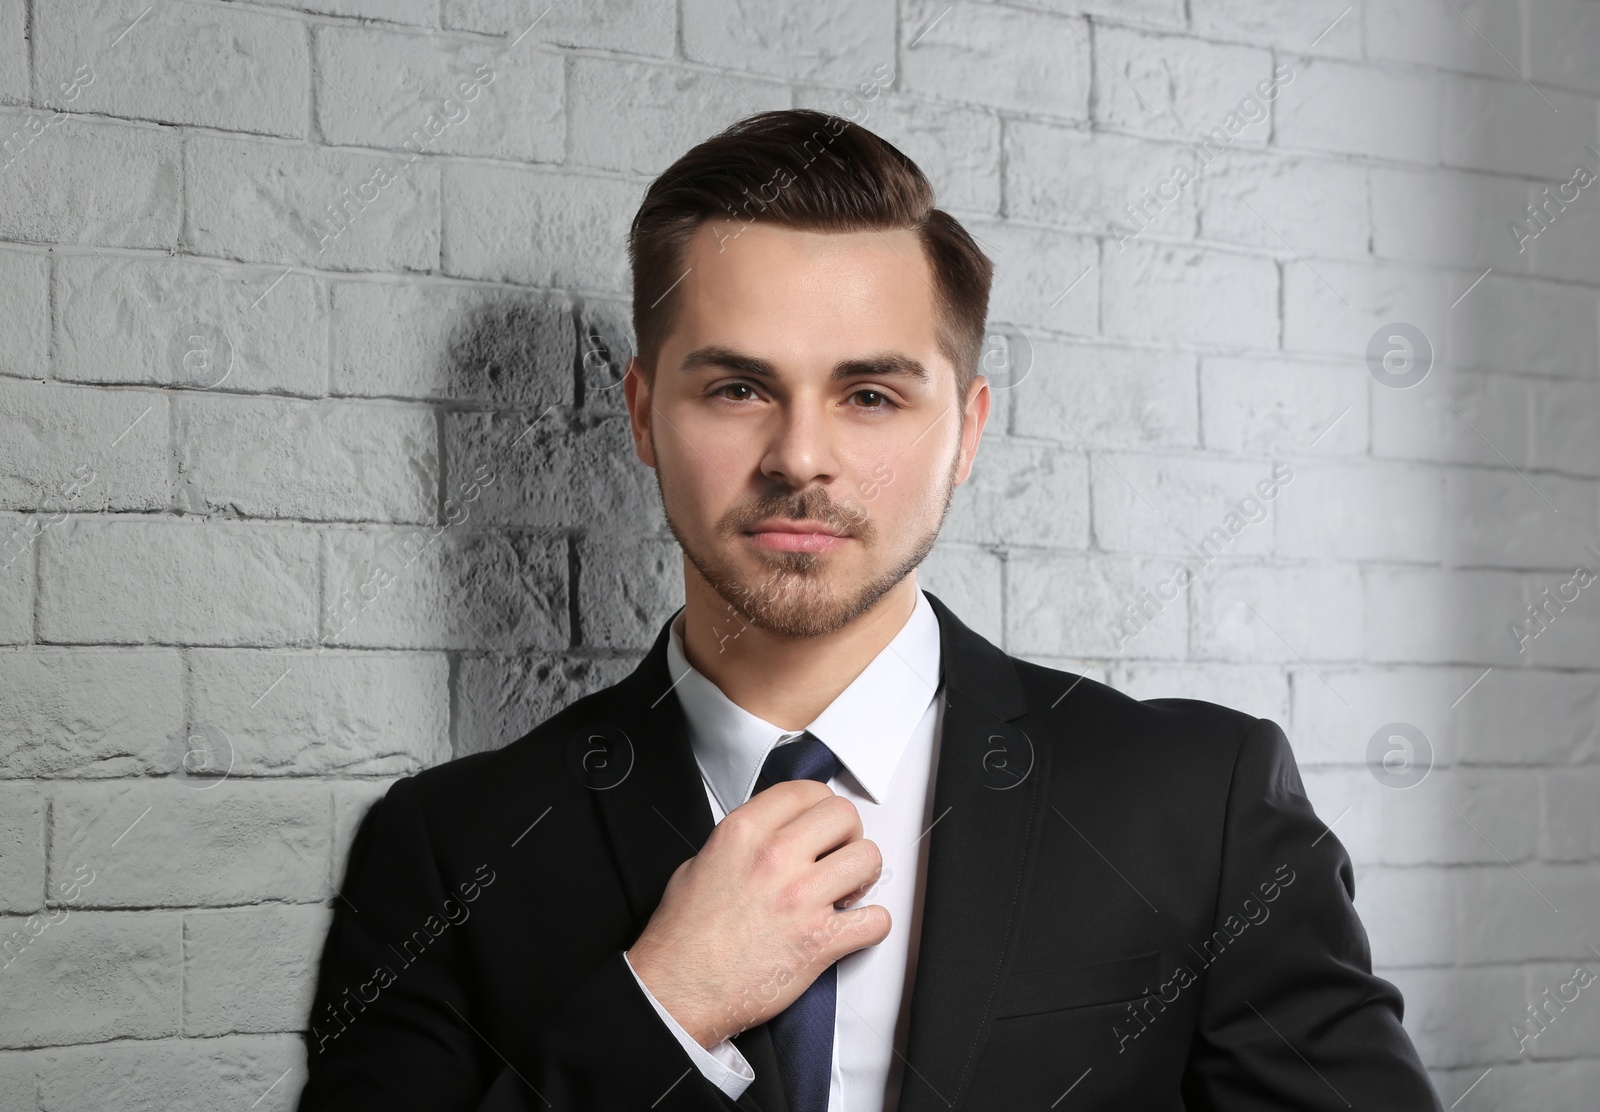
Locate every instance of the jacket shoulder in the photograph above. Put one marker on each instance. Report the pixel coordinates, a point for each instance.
(1075, 706)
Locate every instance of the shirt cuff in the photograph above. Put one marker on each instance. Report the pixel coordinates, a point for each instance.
(722, 1065)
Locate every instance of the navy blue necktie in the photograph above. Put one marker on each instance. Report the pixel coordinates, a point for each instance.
(802, 1034)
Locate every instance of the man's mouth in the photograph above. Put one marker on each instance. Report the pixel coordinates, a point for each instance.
(779, 535)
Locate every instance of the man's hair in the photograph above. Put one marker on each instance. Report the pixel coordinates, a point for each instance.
(814, 172)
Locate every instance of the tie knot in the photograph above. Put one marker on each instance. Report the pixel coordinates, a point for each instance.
(805, 758)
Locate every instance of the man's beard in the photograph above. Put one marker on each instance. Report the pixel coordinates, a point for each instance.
(797, 596)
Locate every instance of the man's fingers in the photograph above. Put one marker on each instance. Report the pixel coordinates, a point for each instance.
(827, 825)
(848, 871)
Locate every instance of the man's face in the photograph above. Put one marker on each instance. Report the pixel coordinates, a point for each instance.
(788, 392)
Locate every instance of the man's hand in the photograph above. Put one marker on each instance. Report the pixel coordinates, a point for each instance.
(748, 923)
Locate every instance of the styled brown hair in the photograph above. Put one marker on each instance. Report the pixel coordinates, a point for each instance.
(813, 172)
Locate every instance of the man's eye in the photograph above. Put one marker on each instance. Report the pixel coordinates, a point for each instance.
(732, 386)
(882, 398)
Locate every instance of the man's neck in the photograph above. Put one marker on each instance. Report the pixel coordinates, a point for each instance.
(788, 681)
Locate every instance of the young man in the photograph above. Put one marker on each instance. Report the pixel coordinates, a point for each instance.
(827, 848)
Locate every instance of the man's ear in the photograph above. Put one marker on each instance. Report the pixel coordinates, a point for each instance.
(637, 392)
(977, 413)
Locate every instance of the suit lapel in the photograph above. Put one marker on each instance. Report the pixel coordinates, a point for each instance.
(988, 799)
(658, 817)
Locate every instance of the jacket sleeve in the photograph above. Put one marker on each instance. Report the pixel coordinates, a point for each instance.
(1291, 1014)
(394, 1026)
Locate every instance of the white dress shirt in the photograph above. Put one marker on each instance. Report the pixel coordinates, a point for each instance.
(884, 728)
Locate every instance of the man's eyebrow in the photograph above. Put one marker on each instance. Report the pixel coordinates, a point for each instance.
(891, 365)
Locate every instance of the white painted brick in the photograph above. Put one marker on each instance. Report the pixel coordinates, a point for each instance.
(1345, 108)
(1336, 308)
(502, 698)
(183, 64)
(1571, 829)
(169, 844)
(446, 340)
(1430, 34)
(1458, 418)
(1566, 427)
(1249, 612)
(1262, 406)
(121, 319)
(20, 533)
(1181, 505)
(250, 970)
(320, 713)
(91, 976)
(281, 203)
(1526, 1085)
(1169, 13)
(423, 12)
(70, 449)
(328, 461)
(1086, 181)
(493, 216)
(55, 182)
(1459, 1017)
(352, 799)
(1571, 1027)
(1034, 269)
(1424, 614)
(13, 52)
(1570, 247)
(1494, 518)
(179, 1075)
(24, 314)
(1523, 717)
(656, 101)
(627, 587)
(1097, 397)
(957, 147)
(1570, 634)
(1021, 493)
(1331, 25)
(194, 581)
(1362, 511)
(444, 588)
(1409, 914)
(1287, 205)
(426, 95)
(1070, 606)
(70, 712)
(22, 864)
(1526, 326)
(1507, 127)
(1177, 86)
(600, 24)
(1563, 41)
(546, 473)
(1337, 711)
(1466, 816)
(1447, 217)
(18, 1071)
(1156, 292)
(1255, 689)
(970, 580)
(1506, 915)
(999, 57)
(835, 42)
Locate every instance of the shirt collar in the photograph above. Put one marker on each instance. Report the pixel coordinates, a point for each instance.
(867, 726)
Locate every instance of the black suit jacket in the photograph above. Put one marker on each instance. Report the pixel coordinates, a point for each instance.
(1131, 903)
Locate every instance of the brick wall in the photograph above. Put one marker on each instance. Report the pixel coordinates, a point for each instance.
(313, 469)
